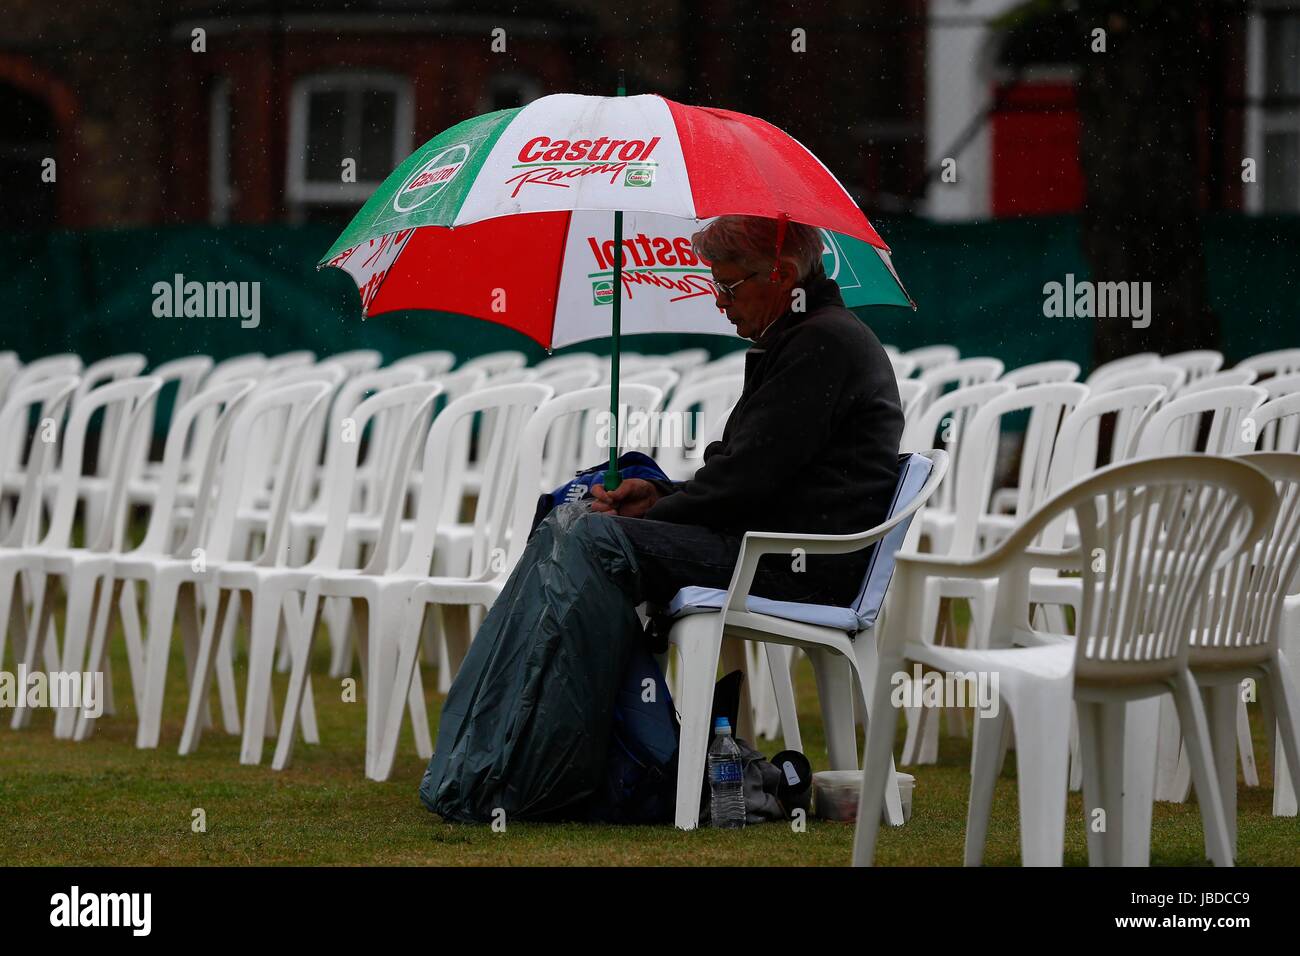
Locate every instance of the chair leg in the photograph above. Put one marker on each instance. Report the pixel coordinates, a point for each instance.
(1094, 769)
(779, 660)
(162, 616)
(735, 658)
(214, 620)
(1168, 753)
(835, 694)
(1221, 717)
(408, 663)
(1041, 712)
(878, 766)
(98, 655)
(699, 644)
(1139, 746)
(82, 589)
(986, 745)
(1286, 705)
(302, 635)
(1246, 746)
(1196, 733)
(40, 622)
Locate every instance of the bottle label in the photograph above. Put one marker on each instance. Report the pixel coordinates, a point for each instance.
(728, 772)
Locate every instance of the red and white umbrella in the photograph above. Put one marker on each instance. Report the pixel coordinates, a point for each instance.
(506, 217)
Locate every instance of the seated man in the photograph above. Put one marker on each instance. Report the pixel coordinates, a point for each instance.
(812, 445)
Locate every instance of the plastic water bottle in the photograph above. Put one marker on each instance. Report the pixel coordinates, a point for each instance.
(726, 779)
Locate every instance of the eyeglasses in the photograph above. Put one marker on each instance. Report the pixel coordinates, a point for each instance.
(727, 290)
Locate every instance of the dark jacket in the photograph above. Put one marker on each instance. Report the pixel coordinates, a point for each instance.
(812, 445)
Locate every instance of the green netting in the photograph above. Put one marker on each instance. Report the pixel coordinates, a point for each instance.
(977, 285)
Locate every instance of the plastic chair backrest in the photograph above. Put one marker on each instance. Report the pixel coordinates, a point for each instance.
(1048, 406)
(1041, 373)
(1242, 606)
(1280, 385)
(1174, 428)
(1233, 376)
(124, 401)
(902, 365)
(49, 398)
(444, 464)
(1168, 377)
(1151, 532)
(223, 399)
(399, 404)
(588, 403)
(1280, 362)
(933, 356)
(239, 469)
(494, 363)
(1197, 364)
(1275, 425)
(1115, 366)
(961, 374)
(433, 363)
(948, 415)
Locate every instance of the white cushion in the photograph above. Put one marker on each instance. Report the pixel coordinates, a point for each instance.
(912, 475)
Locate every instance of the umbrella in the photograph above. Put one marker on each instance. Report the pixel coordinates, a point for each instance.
(505, 217)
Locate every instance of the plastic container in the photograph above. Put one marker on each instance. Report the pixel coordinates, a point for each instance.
(836, 793)
(726, 779)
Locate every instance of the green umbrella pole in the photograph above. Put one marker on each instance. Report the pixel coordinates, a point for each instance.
(611, 474)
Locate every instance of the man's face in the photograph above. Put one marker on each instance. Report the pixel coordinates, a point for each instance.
(756, 302)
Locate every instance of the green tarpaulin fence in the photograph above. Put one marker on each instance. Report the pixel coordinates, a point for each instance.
(978, 286)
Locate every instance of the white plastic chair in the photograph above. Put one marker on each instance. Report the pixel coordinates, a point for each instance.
(840, 641)
(1042, 373)
(932, 356)
(902, 365)
(47, 399)
(55, 556)
(148, 562)
(494, 363)
(1114, 367)
(379, 592)
(1175, 427)
(1169, 377)
(712, 395)
(1237, 632)
(1233, 376)
(431, 363)
(1196, 364)
(1164, 526)
(1268, 364)
(273, 586)
(1049, 406)
(1279, 385)
(957, 375)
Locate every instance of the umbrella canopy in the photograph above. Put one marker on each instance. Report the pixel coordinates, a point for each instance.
(519, 202)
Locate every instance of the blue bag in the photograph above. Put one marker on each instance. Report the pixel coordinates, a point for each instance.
(632, 464)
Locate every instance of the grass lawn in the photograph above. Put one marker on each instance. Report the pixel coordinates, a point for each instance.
(102, 802)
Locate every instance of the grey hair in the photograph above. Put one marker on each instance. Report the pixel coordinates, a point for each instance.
(750, 241)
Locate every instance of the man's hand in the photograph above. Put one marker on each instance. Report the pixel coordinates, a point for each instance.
(631, 499)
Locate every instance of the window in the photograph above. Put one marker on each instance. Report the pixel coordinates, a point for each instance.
(509, 91)
(358, 123)
(1273, 122)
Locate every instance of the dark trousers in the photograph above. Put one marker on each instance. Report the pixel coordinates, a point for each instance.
(673, 556)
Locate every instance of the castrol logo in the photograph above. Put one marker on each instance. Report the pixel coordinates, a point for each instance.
(431, 178)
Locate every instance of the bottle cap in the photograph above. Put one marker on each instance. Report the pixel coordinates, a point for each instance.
(722, 726)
